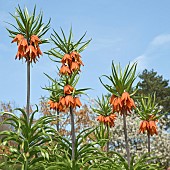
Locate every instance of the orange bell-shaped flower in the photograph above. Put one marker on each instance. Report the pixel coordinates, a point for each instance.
(18, 38)
(34, 40)
(68, 89)
(69, 101)
(127, 102)
(66, 59)
(77, 102)
(65, 70)
(148, 126)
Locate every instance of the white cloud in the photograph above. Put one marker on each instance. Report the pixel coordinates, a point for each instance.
(141, 60)
(161, 40)
(150, 53)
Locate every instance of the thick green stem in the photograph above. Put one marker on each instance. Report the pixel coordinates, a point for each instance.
(149, 144)
(28, 90)
(73, 133)
(107, 149)
(58, 121)
(126, 137)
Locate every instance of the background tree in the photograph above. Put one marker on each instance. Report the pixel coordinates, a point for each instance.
(150, 82)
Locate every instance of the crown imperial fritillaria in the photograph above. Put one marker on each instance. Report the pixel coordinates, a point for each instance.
(27, 34)
(105, 112)
(148, 111)
(28, 31)
(148, 126)
(70, 60)
(121, 86)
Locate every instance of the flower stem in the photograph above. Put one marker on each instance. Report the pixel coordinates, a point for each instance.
(108, 139)
(57, 120)
(28, 90)
(126, 137)
(149, 144)
(73, 133)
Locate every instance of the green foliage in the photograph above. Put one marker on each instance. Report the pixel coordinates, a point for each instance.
(148, 107)
(89, 157)
(29, 139)
(29, 24)
(121, 81)
(103, 106)
(86, 153)
(100, 134)
(137, 163)
(66, 46)
(57, 86)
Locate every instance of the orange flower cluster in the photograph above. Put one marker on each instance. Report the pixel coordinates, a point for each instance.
(65, 101)
(122, 103)
(149, 126)
(70, 63)
(28, 50)
(107, 120)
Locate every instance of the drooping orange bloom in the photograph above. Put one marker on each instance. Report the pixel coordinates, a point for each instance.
(62, 104)
(39, 52)
(69, 101)
(76, 58)
(75, 55)
(68, 89)
(62, 108)
(31, 52)
(28, 50)
(77, 102)
(18, 38)
(74, 66)
(52, 104)
(65, 70)
(144, 126)
(110, 120)
(62, 101)
(101, 118)
(116, 103)
(127, 102)
(107, 120)
(34, 40)
(125, 97)
(113, 117)
(112, 98)
(149, 126)
(56, 106)
(19, 54)
(153, 128)
(21, 49)
(70, 63)
(66, 59)
(22, 46)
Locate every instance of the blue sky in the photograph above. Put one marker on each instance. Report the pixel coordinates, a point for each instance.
(123, 31)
